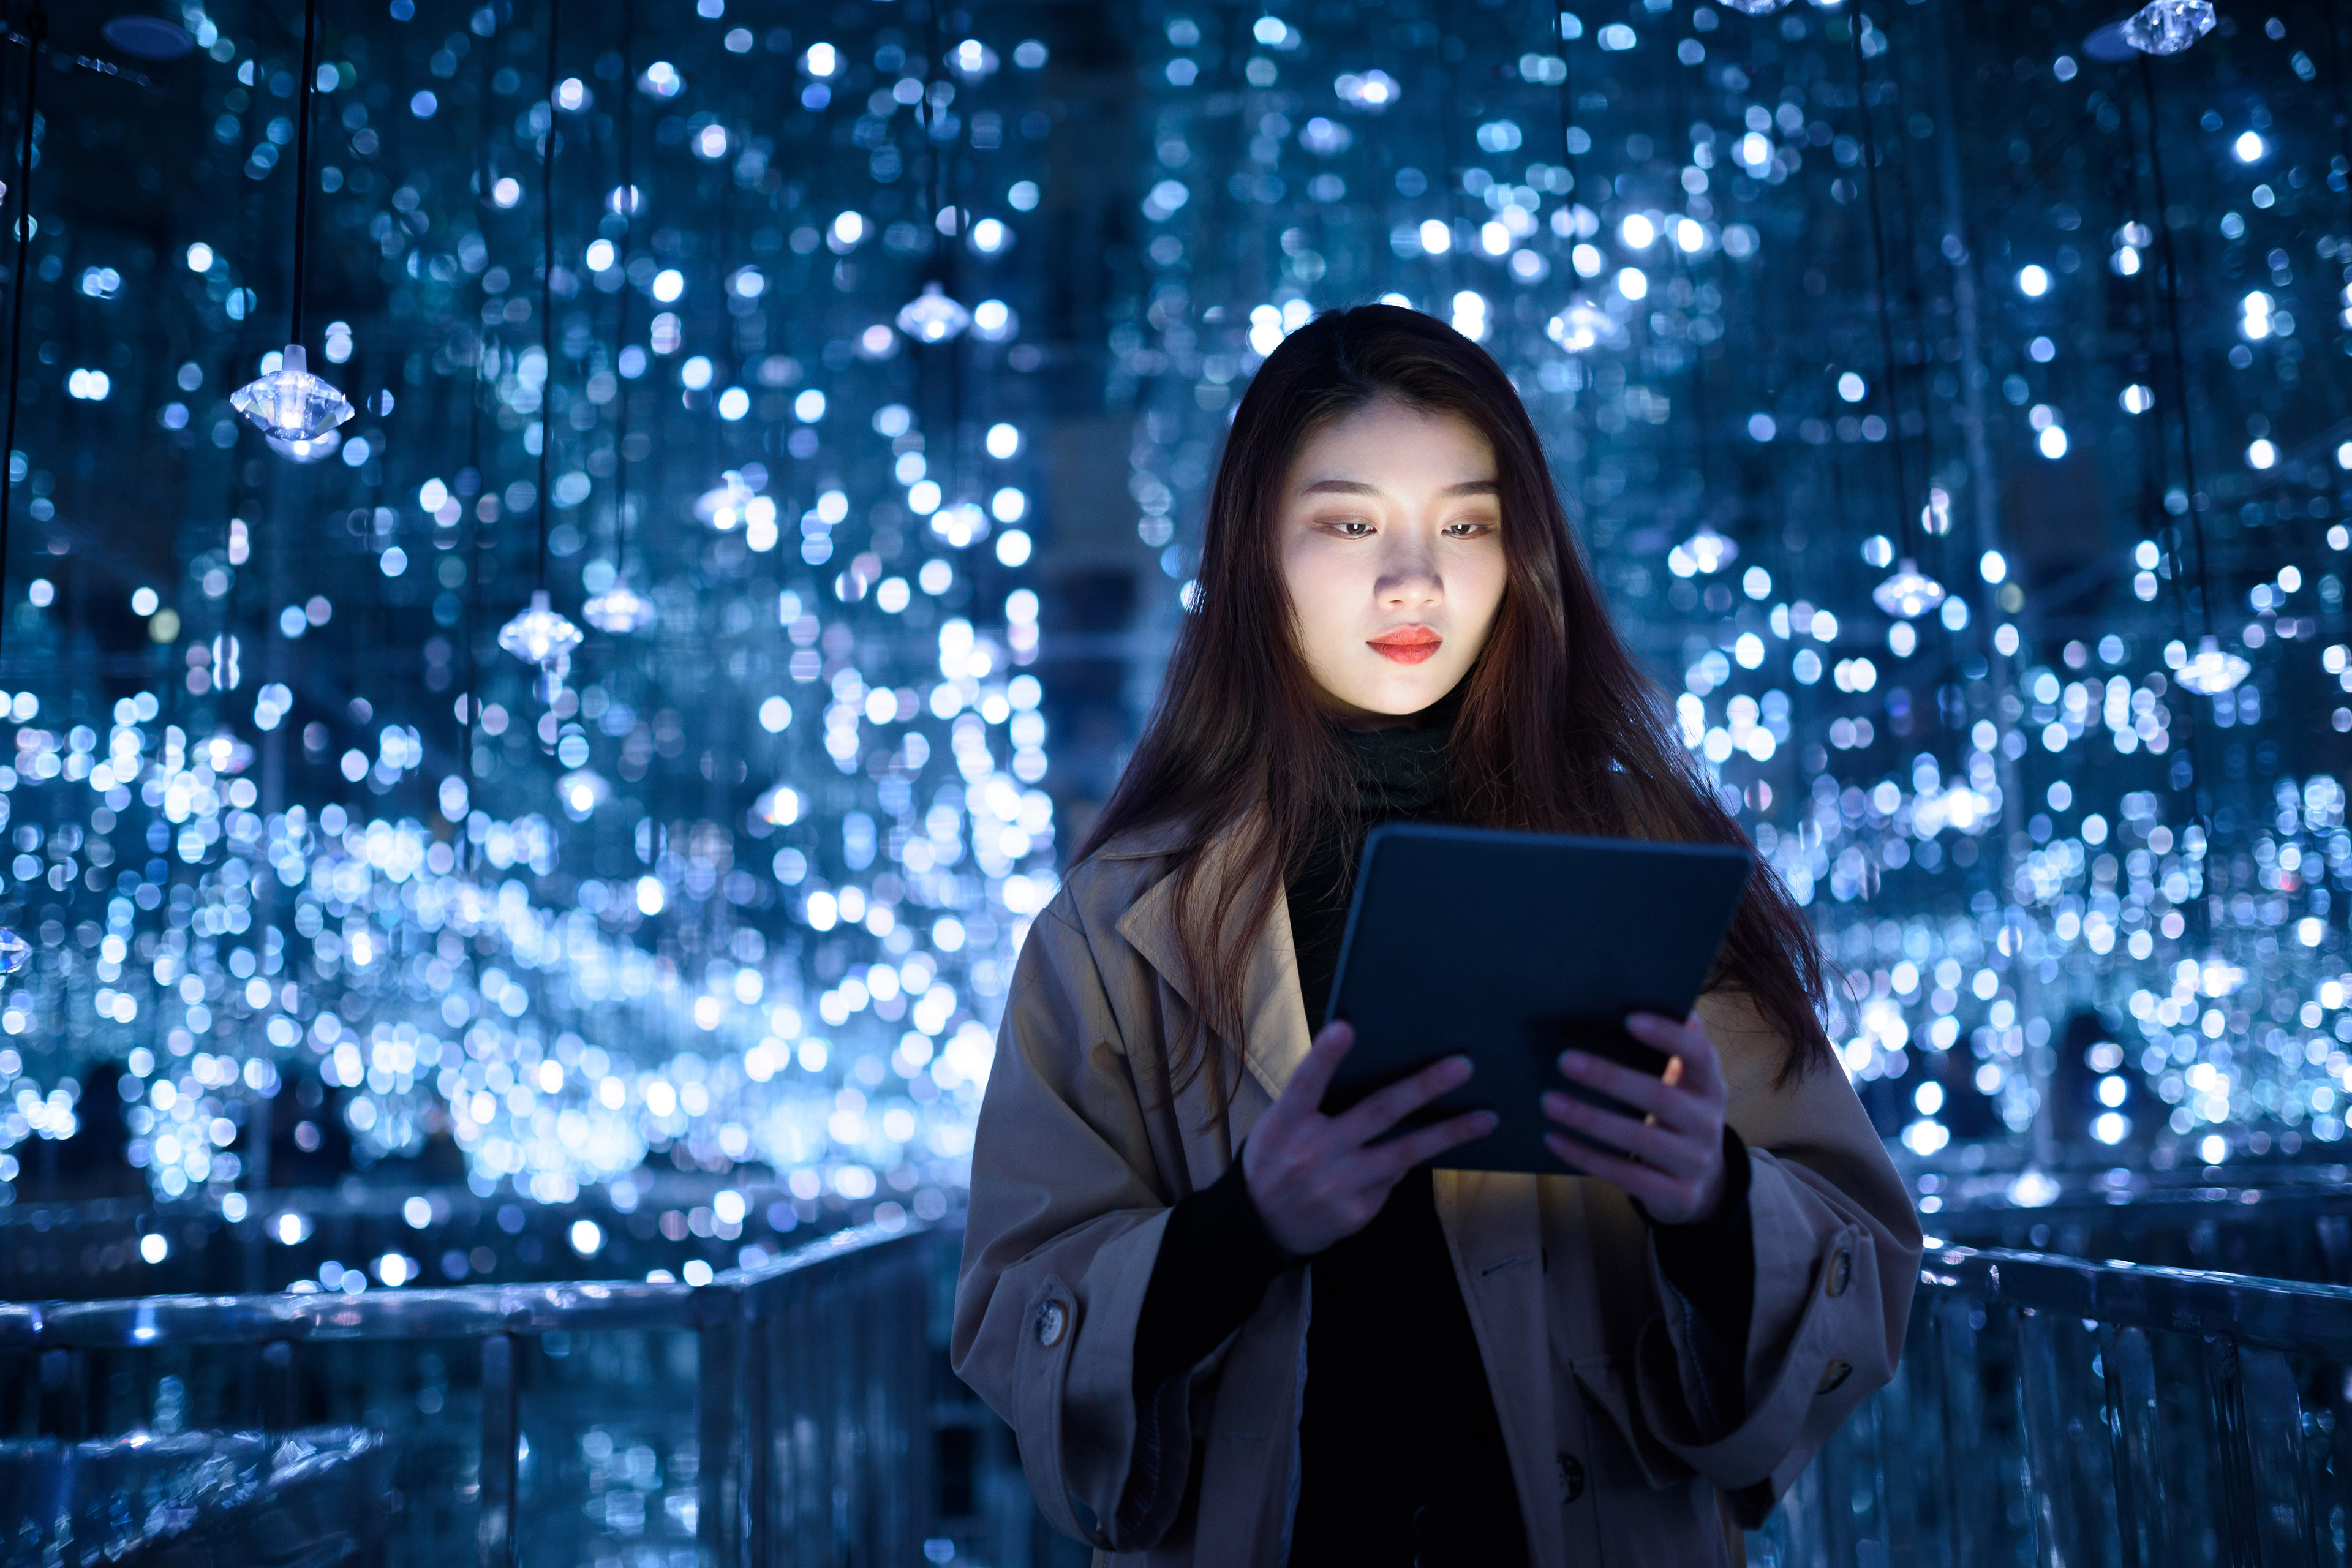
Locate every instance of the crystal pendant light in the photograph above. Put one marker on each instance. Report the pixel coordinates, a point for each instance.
(14, 951)
(619, 610)
(723, 505)
(289, 403)
(1909, 593)
(2212, 670)
(1585, 326)
(1703, 553)
(931, 317)
(581, 791)
(2169, 27)
(540, 636)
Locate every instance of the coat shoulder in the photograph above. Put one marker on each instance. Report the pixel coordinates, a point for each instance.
(1097, 891)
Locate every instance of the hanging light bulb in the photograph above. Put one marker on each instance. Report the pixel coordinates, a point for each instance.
(289, 403)
(307, 452)
(618, 610)
(2169, 27)
(14, 951)
(542, 636)
(2214, 671)
(724, 505)
(931, 317)
(1909, 593)
(1585, 326)
(581, 791)
(1703, 553)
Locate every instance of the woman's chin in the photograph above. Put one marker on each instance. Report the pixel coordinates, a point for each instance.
(1401, 692)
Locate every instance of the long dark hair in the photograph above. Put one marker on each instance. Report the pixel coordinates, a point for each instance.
(1559, 728)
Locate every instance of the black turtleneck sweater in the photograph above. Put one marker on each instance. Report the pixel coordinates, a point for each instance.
(1401, 1456)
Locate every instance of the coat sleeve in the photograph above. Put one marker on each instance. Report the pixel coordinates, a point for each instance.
(1837, 1255)
(1064, 1225)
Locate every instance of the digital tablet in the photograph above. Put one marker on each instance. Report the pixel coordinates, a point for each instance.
(1509, 948)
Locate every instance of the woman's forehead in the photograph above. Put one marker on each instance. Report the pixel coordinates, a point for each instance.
(1387, 446)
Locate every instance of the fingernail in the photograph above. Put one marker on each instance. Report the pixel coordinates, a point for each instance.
(1573, 1063)
(1463, 1065)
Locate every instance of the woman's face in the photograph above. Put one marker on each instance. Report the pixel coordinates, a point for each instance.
(1391, 535)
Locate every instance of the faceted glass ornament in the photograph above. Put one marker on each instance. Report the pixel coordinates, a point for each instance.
(618, 610)
(1756, 7)
(1909, 593)
(539, 634)
(2169, 27)
(933, 318)
(1585, 326)
(581, 791)
(14, 951)
(727, 504)
(291, 402)
(1703, 553)
(2213, 669)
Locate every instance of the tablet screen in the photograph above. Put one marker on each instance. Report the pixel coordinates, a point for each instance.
(1510, 947)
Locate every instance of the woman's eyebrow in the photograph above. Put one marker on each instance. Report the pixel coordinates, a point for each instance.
(1358, 488)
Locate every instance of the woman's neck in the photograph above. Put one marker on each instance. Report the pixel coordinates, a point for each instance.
(1364, 721)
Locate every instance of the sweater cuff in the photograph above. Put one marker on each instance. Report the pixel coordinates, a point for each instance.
(1216, 1259)
(1713, 1260)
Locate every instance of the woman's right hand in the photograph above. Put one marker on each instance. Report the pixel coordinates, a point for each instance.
(1316, 1178)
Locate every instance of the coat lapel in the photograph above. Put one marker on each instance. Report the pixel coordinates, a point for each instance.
(1274, 1036)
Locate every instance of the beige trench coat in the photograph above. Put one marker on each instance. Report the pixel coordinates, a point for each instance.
(1601, 1378)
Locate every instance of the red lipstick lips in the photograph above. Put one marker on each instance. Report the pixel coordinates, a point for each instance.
(1406, 645)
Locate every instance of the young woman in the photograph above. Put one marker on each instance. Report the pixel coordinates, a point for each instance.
(1229, 1329)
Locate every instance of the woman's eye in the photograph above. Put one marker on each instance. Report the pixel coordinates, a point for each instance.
(1467, 530)
(1353, 527)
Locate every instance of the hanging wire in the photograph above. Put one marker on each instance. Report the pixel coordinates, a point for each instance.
(1885, 310)
(2179, 360)
(36, 28)
(546, 296)
(308, 95)
(622, 532)
(477, 545)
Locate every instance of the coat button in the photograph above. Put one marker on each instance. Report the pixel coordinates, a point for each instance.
(1052, 1318)
(1571, 1478)
(1837, 1373)
(1841, 1271)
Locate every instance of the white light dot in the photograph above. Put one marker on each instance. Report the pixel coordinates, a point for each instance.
(2249, 148)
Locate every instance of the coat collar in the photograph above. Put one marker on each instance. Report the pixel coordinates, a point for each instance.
(1275, 1033)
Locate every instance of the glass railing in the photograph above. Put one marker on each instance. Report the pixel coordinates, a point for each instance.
(2052, 1411)
(2048, 1411)
(800, 1411)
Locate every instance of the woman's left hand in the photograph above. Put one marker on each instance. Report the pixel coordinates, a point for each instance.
(1669, 1158)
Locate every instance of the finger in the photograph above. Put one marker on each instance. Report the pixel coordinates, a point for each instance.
(1305, 1089)
(1657, 1145)
(1643, 1182)
(1673, 1104)
(1402, 1154)
(1689, 1043)
(1375, 1114)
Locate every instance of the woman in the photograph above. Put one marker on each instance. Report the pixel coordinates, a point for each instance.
(1228, 1330)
